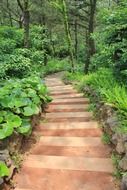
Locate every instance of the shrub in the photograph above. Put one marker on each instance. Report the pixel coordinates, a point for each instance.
(19, 100)
(23, 51)
(13, 34)
(37, 57)
(17, 66)
(7, 46)
(56, 65)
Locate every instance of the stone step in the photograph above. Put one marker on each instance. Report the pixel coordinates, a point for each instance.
(66, 107)
(63, 93)
(63, 89)
(76, 95)
(52, 179)
(69, 163)
(71, 132)
(50, 84)
(69, 116)
(67, 87)
(22, 189)
(87, 151)
(70, 101)
(70, 141)
(69, 125)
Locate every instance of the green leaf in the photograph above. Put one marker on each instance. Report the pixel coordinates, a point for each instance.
(6, 131)
(1, 119)
(5, 101)
(35, 109)
(25, 127)
(28, 111)
(4, 171)
(14, 120)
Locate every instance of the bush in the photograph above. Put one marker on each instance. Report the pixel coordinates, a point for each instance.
(23, 51)
(17, 66)
(7, 46)
(37, 57)
(19, 100)
(62, 52)
(13, 34)
(111, 41)
(56, 65)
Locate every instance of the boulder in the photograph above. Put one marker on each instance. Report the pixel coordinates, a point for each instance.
(123, 163)
(124, 183)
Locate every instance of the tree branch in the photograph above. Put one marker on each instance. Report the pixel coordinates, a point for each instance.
(20, 5)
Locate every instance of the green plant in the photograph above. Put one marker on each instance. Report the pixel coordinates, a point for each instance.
(19, 100)
(106, 138)
(17, 66)
(7, 45)
(37, 57)
(116, 160)
(4, 171)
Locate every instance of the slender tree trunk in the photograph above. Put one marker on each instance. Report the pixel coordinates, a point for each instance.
(76, 40)
(26, 20)
(9, 14)
(20, 22)
(67, 31)
(76, 32)
(26, 23)
(90, 41)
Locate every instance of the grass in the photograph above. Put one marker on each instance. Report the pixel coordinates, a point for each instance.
(116, 159)
(106, 138)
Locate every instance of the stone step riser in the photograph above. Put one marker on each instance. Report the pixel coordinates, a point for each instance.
(73, 101)
(69, 116)
(69, 125)
(53, 109)
(87, 151)
(80, 119)
(71, 96)
(70, 141)
(63, 93)
(70, 132)
(67, 107)
(60, 88)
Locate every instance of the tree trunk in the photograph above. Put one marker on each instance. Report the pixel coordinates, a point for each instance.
(9, 14)
(67, 31)
(26, 20)
(20, 22)
(90, 40)
(26, 23)
(76, 39)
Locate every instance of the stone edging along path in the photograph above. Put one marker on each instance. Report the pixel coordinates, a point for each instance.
(69, 154)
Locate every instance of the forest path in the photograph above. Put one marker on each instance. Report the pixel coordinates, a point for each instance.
(69, 154)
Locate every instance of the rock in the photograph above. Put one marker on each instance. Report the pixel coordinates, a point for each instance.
(114, 139)
(125, 145)
(124, 183)
(120, 148)
(1, 181)
(123, 163)
(12, 168)
(112, 122)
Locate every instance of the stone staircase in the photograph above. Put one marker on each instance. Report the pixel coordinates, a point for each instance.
(70, 154)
